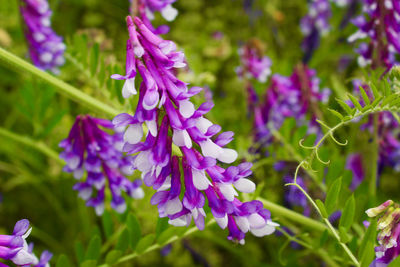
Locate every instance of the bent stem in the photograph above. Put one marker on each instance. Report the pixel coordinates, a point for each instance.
(40, 146)
(62, 87)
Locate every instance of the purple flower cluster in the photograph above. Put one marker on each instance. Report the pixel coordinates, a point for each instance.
(293, 96)
(315, 24)
(46, 48)
(253, 63)
(388, 232)
(381, 24)
(388, 136)
(145, 9)
(174, 124)
(15, 248)
(294, 197)
(90, 149)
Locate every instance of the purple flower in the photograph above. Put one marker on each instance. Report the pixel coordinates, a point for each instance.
(46, 48)
(388, 214)
(380, 23)
(293, 96)
(91, 150)
(253, 63)
(146, 9)
(294, 197)
(315, 24)
(183, 180)
(15, 248)
(354, 164)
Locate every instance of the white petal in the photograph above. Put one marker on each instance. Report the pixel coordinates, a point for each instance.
(195, 213)
(152, 125)
(173, 206)
(203, 124)
(200, 180)
(222, 222)
(228, 191)
(166, 185)
(99, 209)
(46, 57)
(186, 108)
(210, 149)
(133, 133)
(242, 223)
(256, 221)
(228, 155)
(73, 162)
(245, 185)
(142, 162)
(121, 208)
(138, 193)
(24, 236)
(181, 138)
(23, 257)
(129, 88)
(179, 222)
(169, 13)
(85, 193)
(78, 173)
(266, 230)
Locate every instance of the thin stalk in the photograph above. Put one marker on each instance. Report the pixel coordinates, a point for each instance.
(374, 160)
(38, 145)
(62, 87)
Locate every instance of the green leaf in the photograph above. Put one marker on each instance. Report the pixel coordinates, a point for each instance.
(145, 243)
(89, 263)
(94, 58)
(369, 236)
(62, 261)
(93, 250)
(369, 256)
(107, 223)
(344, 237)
(355, 101)
(324, 238)
(374, 90)
(336, 113)
(166, 236)
(79, 251)
(162, 225)
(345, 107)
(364, 96)
(395, 262)
(113, 256)
(134, 229)
(123, 240)
(376, 101)
(389, 99)
(333, 195)
(348, 213)
(321, 207)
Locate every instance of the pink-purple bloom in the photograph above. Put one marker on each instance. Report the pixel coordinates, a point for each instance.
(46, 48)
(253, 63)
(15, 248)
(379, 25)
(178, 155)
(145, 9)
(94, 157)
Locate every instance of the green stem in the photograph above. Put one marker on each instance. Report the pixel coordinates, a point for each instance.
(40, 146)
(280, 211)
(62, 87)
(374, 161)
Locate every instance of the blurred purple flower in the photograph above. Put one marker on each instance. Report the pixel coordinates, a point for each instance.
(294, 197)
(173, 121)
(354, 164)
(380, 23)
(314, 25)
(46, 48)
(253, 63)
(90, 149)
